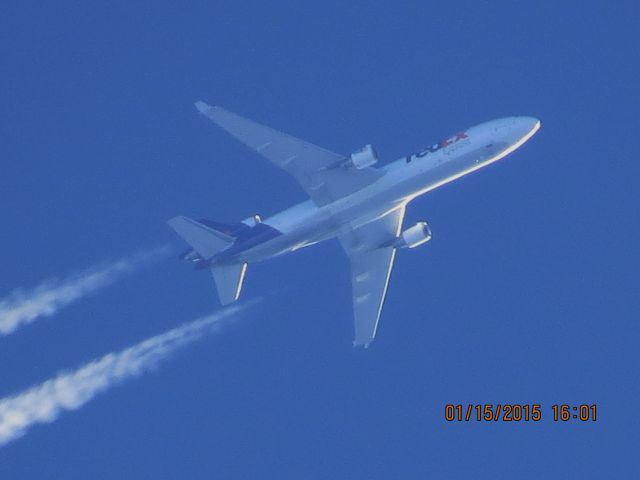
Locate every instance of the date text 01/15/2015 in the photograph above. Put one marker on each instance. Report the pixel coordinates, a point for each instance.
(514, 412)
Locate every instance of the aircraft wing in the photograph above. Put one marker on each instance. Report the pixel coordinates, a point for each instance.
(370, 250)
(306, 162)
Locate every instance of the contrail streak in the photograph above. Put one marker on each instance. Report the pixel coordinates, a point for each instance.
(23, 307)
(71, 390)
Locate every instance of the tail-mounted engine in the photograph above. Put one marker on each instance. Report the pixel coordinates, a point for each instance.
(252, 221)
(414, 236)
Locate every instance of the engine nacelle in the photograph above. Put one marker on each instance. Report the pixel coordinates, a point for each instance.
(365, 157)
(252, 221)
(414, 236)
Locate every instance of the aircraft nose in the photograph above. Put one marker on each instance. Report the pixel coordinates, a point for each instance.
(508, 129)
(527, 125)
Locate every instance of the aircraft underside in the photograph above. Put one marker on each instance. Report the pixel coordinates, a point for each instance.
(362, 206)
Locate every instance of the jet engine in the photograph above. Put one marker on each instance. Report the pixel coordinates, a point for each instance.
(252, 221)
(414, 236)
(365, 157)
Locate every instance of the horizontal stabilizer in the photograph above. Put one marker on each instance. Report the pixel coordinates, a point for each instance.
(204, 240)
(229, 280)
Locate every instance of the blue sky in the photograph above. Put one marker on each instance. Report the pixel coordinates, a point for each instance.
(528, 292)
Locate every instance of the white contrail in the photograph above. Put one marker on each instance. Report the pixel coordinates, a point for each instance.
(23, 307)
(71, 390)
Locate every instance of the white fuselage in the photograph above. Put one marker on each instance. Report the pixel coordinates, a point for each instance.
(403, 180)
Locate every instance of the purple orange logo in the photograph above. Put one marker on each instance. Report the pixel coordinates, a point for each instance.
(438, 146)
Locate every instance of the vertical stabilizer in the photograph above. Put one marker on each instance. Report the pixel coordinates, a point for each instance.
(229, 280)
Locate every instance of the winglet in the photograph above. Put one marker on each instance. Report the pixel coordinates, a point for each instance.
(202, 107)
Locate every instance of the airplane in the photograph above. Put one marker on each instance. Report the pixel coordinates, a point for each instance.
(350, 199)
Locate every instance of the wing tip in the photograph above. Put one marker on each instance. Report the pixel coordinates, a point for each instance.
(202, 107)
(173, 221)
